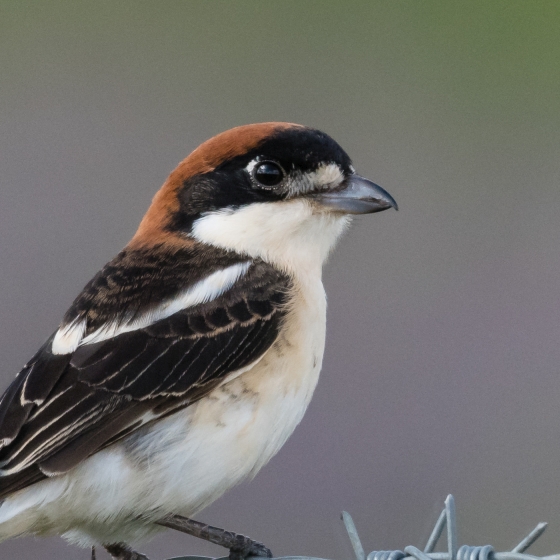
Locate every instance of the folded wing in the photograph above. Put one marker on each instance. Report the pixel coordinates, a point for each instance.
(61, 408)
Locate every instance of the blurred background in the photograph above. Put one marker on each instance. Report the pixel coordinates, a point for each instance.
(442, 365)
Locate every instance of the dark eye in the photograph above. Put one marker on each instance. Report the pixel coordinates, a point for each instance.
(268, 174)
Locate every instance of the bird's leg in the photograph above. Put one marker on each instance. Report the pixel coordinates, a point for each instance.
(93, 554)
(240, 547)
(121, 551)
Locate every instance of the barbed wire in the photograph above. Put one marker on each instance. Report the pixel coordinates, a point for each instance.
(446, 520)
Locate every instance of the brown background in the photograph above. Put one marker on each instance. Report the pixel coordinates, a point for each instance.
(442, 368)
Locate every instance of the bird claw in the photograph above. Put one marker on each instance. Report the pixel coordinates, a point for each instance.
(120, 551)
(247, 547)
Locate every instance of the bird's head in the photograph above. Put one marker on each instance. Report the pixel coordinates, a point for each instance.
(277, 191)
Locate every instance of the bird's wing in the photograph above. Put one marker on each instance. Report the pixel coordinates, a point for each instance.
(63, 407)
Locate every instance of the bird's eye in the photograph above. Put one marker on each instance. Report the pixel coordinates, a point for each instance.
(268, 174)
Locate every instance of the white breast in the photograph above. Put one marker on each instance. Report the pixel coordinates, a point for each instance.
(197, 454)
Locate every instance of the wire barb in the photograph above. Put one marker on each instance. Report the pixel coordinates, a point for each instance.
(437, 531)
(353, 536)
(451, 527)
(531, 538)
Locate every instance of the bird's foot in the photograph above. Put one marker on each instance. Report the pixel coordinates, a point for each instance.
(240, 546)
(121, 551)
(245, 547)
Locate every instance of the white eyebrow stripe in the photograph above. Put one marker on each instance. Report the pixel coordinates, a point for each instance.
(70, 336)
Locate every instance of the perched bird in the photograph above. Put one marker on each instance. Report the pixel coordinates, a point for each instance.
(188, 360)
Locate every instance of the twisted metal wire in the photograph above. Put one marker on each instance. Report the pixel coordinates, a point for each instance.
(475, 552)
(386, 555)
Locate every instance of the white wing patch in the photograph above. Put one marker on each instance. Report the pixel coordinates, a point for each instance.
(70, 336)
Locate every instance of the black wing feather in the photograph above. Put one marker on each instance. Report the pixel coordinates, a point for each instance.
(62, 408)
(43, 374)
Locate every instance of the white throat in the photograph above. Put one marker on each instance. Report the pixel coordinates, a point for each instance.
(293, 234)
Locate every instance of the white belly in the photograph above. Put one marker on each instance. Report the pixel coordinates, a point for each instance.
(186, 461)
